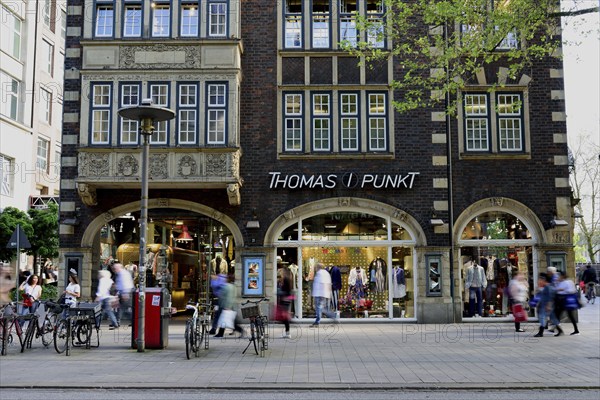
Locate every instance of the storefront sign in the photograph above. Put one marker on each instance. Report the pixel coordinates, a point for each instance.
(349, 180)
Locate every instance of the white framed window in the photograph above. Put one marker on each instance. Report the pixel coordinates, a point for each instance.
(292, 122)
(10, 32)
(48, 51)
(375, 13)
(101, 101)
(217, 18)
(348, 12)
(349, 127)
(10, 88)
(216, 113)
(130, 96)
(293, 24)
(476, 119)
(190, 19)
(510, 121)
(132, 20)
(43, 147)
(321, 122)
(63, 25)
(160, 97)
(321, 19)
(161, 19)
(6, 175)
(510, 41)
(377, 121)
(47, 12)
(105, 19)
(188, 113)
(46, 105)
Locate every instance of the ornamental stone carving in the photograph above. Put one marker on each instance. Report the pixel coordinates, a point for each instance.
(93, 164)
(87, 194)
(345, 202)
(216, 165)
(133, 57)
(233, 192)
(108, 216)
(187, 167)
(400, 215)
(235, 165)
(497, 201)
(163, 202)
(289, 215)
(157, 168)
(127, 166)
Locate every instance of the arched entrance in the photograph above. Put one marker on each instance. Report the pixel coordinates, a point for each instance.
(495, 238)
(197, 239)
(368, 247)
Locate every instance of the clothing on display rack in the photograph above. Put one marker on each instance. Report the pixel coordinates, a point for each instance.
(398, 282)
(378, 273)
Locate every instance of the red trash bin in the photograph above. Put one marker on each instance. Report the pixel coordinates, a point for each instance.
(157, 315)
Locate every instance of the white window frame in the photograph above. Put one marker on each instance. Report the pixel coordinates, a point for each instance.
(321, 122)
(100, 115)
(106, 29)
(6, 175)
(293, 27)
(46, 12)
(217, 19)
(321, 26)
(476, 113)
(11, 32)
(132, 20)
(49, 53)
(509, 114)
(159, 93)
(43, 151)
(161, 20)
(46, 103)
(349, 112)
(63, 25)
(375, 35)
(187, 100)
(377, 121)
(292, 122)
(129, 128)
(190, 23)
(216, 130)
(10, 104)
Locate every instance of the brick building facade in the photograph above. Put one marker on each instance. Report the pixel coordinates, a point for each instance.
(285, 152)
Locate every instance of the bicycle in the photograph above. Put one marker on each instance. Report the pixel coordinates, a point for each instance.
(76, 329)
(590, 293)
(259, 326)
(196, 329)
(9, 320)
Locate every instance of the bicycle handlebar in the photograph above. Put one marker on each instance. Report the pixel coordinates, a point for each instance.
(248, 301)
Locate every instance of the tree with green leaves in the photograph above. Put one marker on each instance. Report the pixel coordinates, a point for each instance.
(44, 240)
(9, 219)
(585, 183)
(458, 38)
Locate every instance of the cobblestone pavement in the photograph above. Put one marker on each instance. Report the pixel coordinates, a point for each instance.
(348, 355)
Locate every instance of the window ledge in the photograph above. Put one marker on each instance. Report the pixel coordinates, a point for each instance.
(495, 156)
(336, 156)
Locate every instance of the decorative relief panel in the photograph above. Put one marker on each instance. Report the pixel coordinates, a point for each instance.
(187, 167)
(158, 166)
(127, 166)
(561, 237)
(93, 164)
(128, 59)
(216, 164)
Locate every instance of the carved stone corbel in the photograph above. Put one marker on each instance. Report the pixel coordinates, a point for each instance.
(233, 191)
(87, 194)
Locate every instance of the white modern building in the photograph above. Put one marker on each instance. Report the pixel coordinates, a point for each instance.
(32, 37)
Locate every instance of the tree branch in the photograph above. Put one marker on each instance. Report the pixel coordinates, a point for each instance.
(574, 13)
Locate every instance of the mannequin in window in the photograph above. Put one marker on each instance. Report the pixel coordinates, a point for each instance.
(336, 285)
(476, 282)
(377, 274)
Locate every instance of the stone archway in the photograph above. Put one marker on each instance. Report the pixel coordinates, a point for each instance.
(346, 204)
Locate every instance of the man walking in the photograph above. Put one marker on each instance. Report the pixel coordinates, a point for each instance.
(322, 294)
(124, 286)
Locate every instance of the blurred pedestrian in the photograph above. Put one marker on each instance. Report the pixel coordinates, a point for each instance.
(217, 281)
(589, 279)
(124, 286)
(566, 300)
(546, 295)
(103, 295)
(284, 297)
(226, 302)
(322, 294)
(518, 289)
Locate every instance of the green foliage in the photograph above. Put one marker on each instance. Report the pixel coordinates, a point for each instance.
(9, 219)
(442, 45)
(48, 293)
(44, 241)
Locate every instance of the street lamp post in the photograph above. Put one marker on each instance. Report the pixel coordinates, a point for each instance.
(147, 115)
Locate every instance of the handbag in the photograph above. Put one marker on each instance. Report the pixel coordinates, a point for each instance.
(572, 302)
(27, 300)
(519, 313)
(281, 313)
(227, 319)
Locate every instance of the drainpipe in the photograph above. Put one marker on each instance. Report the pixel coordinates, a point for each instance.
(35, 40)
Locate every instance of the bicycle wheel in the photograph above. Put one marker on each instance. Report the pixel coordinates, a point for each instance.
(265, 324)
(254, 332)
(84, 332)
(61, 335)
(47, 330)
(197, 337)
(260, 336)
(188, 339)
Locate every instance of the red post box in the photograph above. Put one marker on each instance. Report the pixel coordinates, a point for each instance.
(157, 315)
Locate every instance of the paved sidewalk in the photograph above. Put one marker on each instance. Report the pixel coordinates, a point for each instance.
(363, 356)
